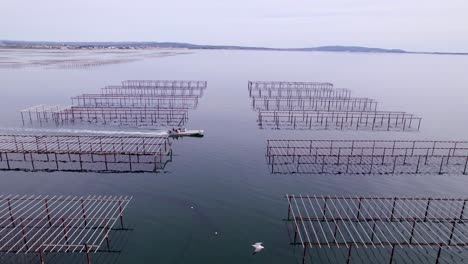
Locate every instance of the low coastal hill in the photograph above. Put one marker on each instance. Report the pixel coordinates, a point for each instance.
(179, 45)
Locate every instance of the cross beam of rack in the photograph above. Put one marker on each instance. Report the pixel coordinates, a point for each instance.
(367, 156)
(352, 223)
(45, 224)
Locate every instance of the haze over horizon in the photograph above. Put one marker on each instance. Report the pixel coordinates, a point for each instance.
(432, 25)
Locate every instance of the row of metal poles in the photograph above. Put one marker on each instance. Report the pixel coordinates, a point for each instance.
(44, 224)
(359, 222)
(122, 116)
(314, 105)
(358, 164)
(367, 156)
(133, 103)
(309, 120)
(354, 222)
(84, 153)
(115, 163)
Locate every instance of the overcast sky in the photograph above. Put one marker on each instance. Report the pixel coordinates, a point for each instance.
(423, 25)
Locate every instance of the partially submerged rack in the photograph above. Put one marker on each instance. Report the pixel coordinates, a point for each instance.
(388, 224)
(367, 156)
(124, 116)
(318, 105)
(148, 103)
(340, 120)
(84, 153)
(165, 83)
(41, 113)
(296, 93)
(314, 104)
(286, 85)
(136, 116)
(267, 89)
(59, 224)
(124, 100)
(153, 91)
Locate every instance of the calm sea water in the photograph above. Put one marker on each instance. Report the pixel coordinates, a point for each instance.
(224, 175)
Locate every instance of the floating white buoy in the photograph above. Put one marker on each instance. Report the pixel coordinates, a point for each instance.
(258, 247)
(191, 207)
(216, 233)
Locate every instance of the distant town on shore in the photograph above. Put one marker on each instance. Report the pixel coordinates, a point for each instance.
(178, 45)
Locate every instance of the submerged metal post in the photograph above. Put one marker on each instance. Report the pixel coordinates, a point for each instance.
(462, 212)
(65, 232)
(106, 236)
(83, 211)
(391, 254)
(11, 213)
(325, 207)
(304, 254)
(417, 166)
(373, 232)
(438, 255)
(466, 164)
(427, 209)
(48, 213)
(41, 257)
(412, 232)
(359, 208)
(7, 160)
(348, 259)
(121, 214)
(441, 164)
(393, 208)
(88, 258)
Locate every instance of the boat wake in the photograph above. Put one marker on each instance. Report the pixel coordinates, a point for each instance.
(87, 131)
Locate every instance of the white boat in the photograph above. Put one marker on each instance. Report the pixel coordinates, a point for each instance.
(181, 132)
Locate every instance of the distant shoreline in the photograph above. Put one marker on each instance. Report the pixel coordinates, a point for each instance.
(9, 44)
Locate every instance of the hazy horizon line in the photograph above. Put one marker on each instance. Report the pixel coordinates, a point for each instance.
(220, 46)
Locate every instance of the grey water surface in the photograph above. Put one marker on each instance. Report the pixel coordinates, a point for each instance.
(224, 176)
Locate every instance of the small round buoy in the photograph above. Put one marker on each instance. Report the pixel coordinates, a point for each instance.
(191, 207)
(216, 233)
